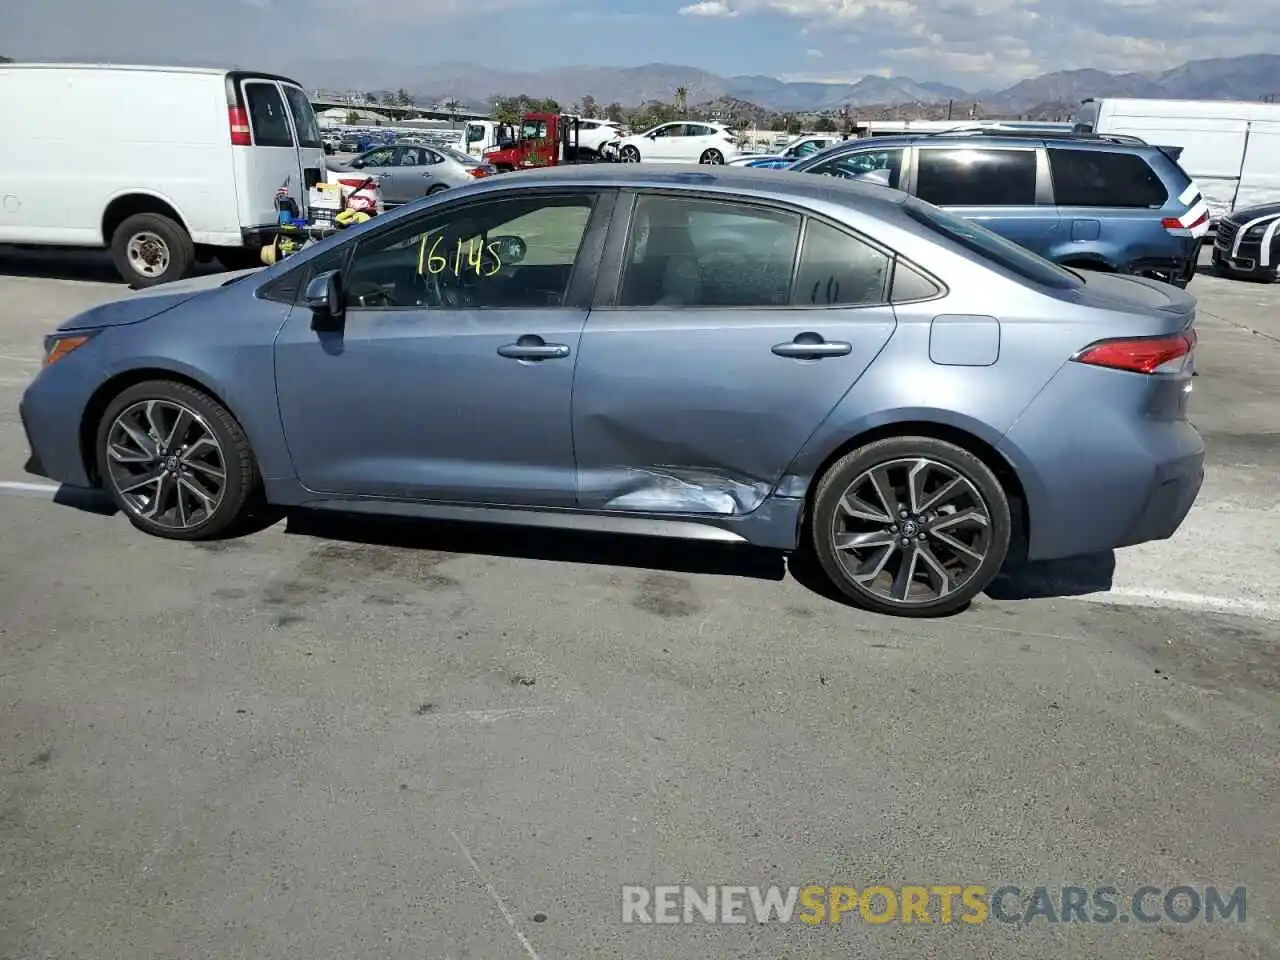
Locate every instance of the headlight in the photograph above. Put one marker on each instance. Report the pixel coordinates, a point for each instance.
(58, 345)
(1255, 233)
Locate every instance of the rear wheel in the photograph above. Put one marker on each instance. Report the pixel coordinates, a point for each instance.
(150, 248)
(629, 154)
(437, 188)
(714, 157)
(175, 461)
(910, 526)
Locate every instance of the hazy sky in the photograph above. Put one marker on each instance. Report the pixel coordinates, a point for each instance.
(972, 43)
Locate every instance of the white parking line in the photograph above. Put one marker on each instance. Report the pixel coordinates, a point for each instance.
(1156, 597)
(34, 361)
(27, 489)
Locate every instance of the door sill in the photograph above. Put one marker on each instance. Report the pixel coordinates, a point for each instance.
(677, 528)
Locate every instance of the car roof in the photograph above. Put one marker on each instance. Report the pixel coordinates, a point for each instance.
(1030, 139)
(760, 183)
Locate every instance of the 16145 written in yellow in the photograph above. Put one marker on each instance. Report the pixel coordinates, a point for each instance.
(471, 256)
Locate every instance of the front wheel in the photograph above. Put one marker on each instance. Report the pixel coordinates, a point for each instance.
(713, 157)
(175, 461)
(910, 526)
(629, 154)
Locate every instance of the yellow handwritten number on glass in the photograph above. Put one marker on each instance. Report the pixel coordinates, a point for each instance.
(429, 261)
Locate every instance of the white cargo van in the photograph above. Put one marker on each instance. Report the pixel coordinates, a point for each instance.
(162, 165)
(1230, 148)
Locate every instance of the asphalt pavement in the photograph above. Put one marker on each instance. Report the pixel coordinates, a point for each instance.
(335, 740)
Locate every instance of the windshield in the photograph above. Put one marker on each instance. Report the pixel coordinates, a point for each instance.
(992, 247)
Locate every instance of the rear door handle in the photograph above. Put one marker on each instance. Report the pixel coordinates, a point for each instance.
(811, 346)
(533, 347)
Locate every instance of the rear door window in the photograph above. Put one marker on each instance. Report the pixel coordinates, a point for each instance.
(267, 115)
(976, 178)
(1104, 178)
(304, 118)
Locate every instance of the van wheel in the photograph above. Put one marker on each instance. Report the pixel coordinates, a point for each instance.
(910, 526)
(149, 248)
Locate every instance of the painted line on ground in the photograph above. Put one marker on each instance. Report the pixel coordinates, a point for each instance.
(28, 489)
(34, 361)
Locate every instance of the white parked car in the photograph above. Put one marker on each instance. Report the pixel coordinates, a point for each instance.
(594, 134)
(681, 142)
(188, 171)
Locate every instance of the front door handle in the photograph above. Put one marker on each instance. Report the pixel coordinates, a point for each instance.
(811, 346)
(533, 347)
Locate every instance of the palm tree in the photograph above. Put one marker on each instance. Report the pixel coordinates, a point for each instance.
(682, 98)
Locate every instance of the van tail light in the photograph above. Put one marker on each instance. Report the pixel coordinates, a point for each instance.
(238, 118)
(1148, 355)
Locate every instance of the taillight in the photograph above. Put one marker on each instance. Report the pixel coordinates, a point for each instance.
(356, 184)
(1184, 223)
(478, 172)
(1141, 354)
(241, 136)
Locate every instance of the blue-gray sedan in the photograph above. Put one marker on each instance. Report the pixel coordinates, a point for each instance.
(730, 355)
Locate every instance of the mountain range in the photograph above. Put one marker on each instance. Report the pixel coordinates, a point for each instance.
(1235, 78)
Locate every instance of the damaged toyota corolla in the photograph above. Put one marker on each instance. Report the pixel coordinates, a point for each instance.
(725, 355)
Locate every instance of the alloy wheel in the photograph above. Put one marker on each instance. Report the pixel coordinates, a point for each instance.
(911, 531)
(166, 464)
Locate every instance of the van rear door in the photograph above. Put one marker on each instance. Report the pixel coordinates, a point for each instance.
(270, 159)
(306, 131)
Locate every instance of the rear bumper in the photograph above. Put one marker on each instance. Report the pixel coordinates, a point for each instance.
(258, 237)
(1104, 461)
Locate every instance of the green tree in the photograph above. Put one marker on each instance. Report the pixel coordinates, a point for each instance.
(825, 125)
(506, 109)
(403, 98)
(794, 126)
(6, 60)
(353, 119)
(589, 108)
(370, 98)
(614, 112)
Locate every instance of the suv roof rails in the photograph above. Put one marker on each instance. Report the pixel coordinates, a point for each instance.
(1038, 134)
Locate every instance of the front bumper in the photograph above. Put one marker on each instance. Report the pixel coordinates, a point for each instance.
(1244, 263)
(50, 415)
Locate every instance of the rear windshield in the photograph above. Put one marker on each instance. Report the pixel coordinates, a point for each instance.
(992, 247)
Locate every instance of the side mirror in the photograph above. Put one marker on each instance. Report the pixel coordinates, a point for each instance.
(323, 297)
(357, 164)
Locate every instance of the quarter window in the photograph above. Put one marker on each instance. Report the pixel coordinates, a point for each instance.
(875, 166)
(705, 253)
(977, 178)
(267, 115)
(1104, 178)
(505, 254)
(837, 269)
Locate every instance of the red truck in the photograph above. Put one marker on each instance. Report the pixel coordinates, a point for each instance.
(542, 140)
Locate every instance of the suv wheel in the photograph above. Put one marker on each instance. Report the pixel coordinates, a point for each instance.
(629, 154)
(910, 526)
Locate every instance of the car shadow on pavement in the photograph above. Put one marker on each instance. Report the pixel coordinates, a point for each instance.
(93, 265)
(1017, 581)
(650, 553)
(1073, 577)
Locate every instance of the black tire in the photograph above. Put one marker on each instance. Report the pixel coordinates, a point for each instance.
(980, 484)
(242, 482)
(629, 154)
(713, 157)
(239, 258)
(170, 237)
(437, 188)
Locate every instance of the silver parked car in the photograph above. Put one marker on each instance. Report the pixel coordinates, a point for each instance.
(408, 171)
(742, 356)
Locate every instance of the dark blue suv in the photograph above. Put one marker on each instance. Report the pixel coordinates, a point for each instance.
(1097, 202)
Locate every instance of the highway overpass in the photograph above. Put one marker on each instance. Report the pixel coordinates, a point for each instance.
(436, 112)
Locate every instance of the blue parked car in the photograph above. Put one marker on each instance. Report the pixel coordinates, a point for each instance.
(1096, 202)
(713, 354)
